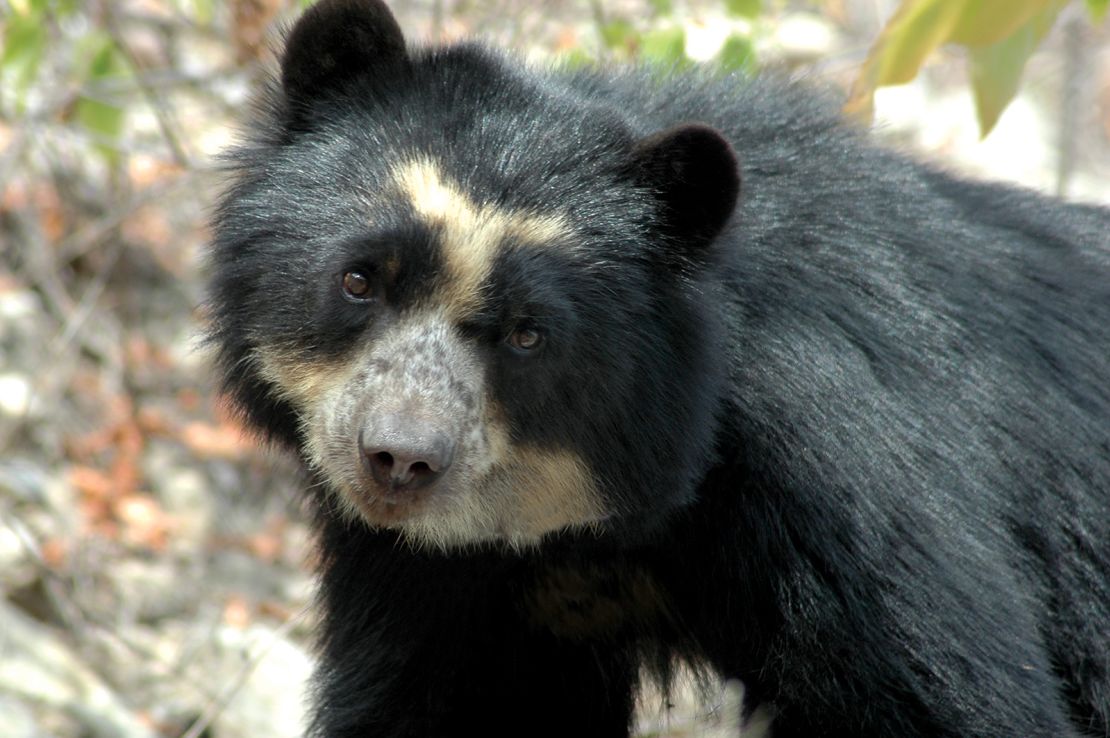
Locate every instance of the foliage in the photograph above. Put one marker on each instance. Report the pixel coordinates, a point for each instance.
(100, 117)
(1000, 36)
(664, 42)
(28, 36)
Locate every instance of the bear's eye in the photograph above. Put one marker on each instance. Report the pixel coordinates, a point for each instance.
(356, 285)
(525, 339)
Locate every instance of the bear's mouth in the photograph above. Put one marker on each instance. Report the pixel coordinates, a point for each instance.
(519, 503)
(387, 509)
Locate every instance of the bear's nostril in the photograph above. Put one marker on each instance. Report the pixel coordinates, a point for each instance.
(404, 453)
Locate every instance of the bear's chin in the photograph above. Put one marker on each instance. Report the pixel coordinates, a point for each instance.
(453, 518)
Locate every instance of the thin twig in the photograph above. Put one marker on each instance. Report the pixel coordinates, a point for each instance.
(162, 114)
(218, 704)
(1071, 93)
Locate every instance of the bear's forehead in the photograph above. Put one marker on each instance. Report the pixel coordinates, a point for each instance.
(470, 233)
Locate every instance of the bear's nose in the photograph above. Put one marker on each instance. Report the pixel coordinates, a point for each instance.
(405, 453)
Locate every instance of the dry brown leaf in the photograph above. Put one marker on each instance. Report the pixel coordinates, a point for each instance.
(145, 523)
(225, 440)
(55, 552)
(90, 482)
(154, 421)
(277, 610)
(251, 18)
(237, 611)
(189, 399)
(146, 170)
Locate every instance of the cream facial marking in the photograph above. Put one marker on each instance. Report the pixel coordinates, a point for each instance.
(301, 382)
(470, 231)
(520, 499)
(548, 490)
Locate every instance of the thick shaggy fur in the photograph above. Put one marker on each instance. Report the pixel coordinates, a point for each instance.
(851, 435)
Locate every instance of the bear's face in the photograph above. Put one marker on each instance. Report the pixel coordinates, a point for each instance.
(476, 305)
(437, 335)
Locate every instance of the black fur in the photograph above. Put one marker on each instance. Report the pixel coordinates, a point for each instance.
(694, 173)
(854, 433)
(338, 41)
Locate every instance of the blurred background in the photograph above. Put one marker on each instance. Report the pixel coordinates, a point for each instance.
(154, 561)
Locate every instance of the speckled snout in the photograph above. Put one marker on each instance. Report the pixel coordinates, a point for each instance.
(408, 424)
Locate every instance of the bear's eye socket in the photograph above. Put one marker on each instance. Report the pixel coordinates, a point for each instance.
(525, 339)
(356, 286)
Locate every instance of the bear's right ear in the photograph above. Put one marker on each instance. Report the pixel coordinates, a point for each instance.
(336, 41)
(695, 176)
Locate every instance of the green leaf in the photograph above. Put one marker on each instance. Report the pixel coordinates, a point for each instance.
(986, 22)
(575, 58)
(204, 11)
(24, 39)
(100, 117)
(918, 27)
(106, 60)
(666, 46)
(618, 34)
(63, 7)
(911, 34)
(995, 70)
(29, 7)
(744, 8)
(662, 7)
(24, 43)
(1098, 9)
(738, 54)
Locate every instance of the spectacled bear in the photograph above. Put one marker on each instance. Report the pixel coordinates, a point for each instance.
(595, 371)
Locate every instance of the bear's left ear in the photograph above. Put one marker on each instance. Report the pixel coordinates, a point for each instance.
(336, 41)
(694, 173)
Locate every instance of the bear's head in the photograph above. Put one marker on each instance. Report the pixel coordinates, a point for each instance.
(479, 300)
